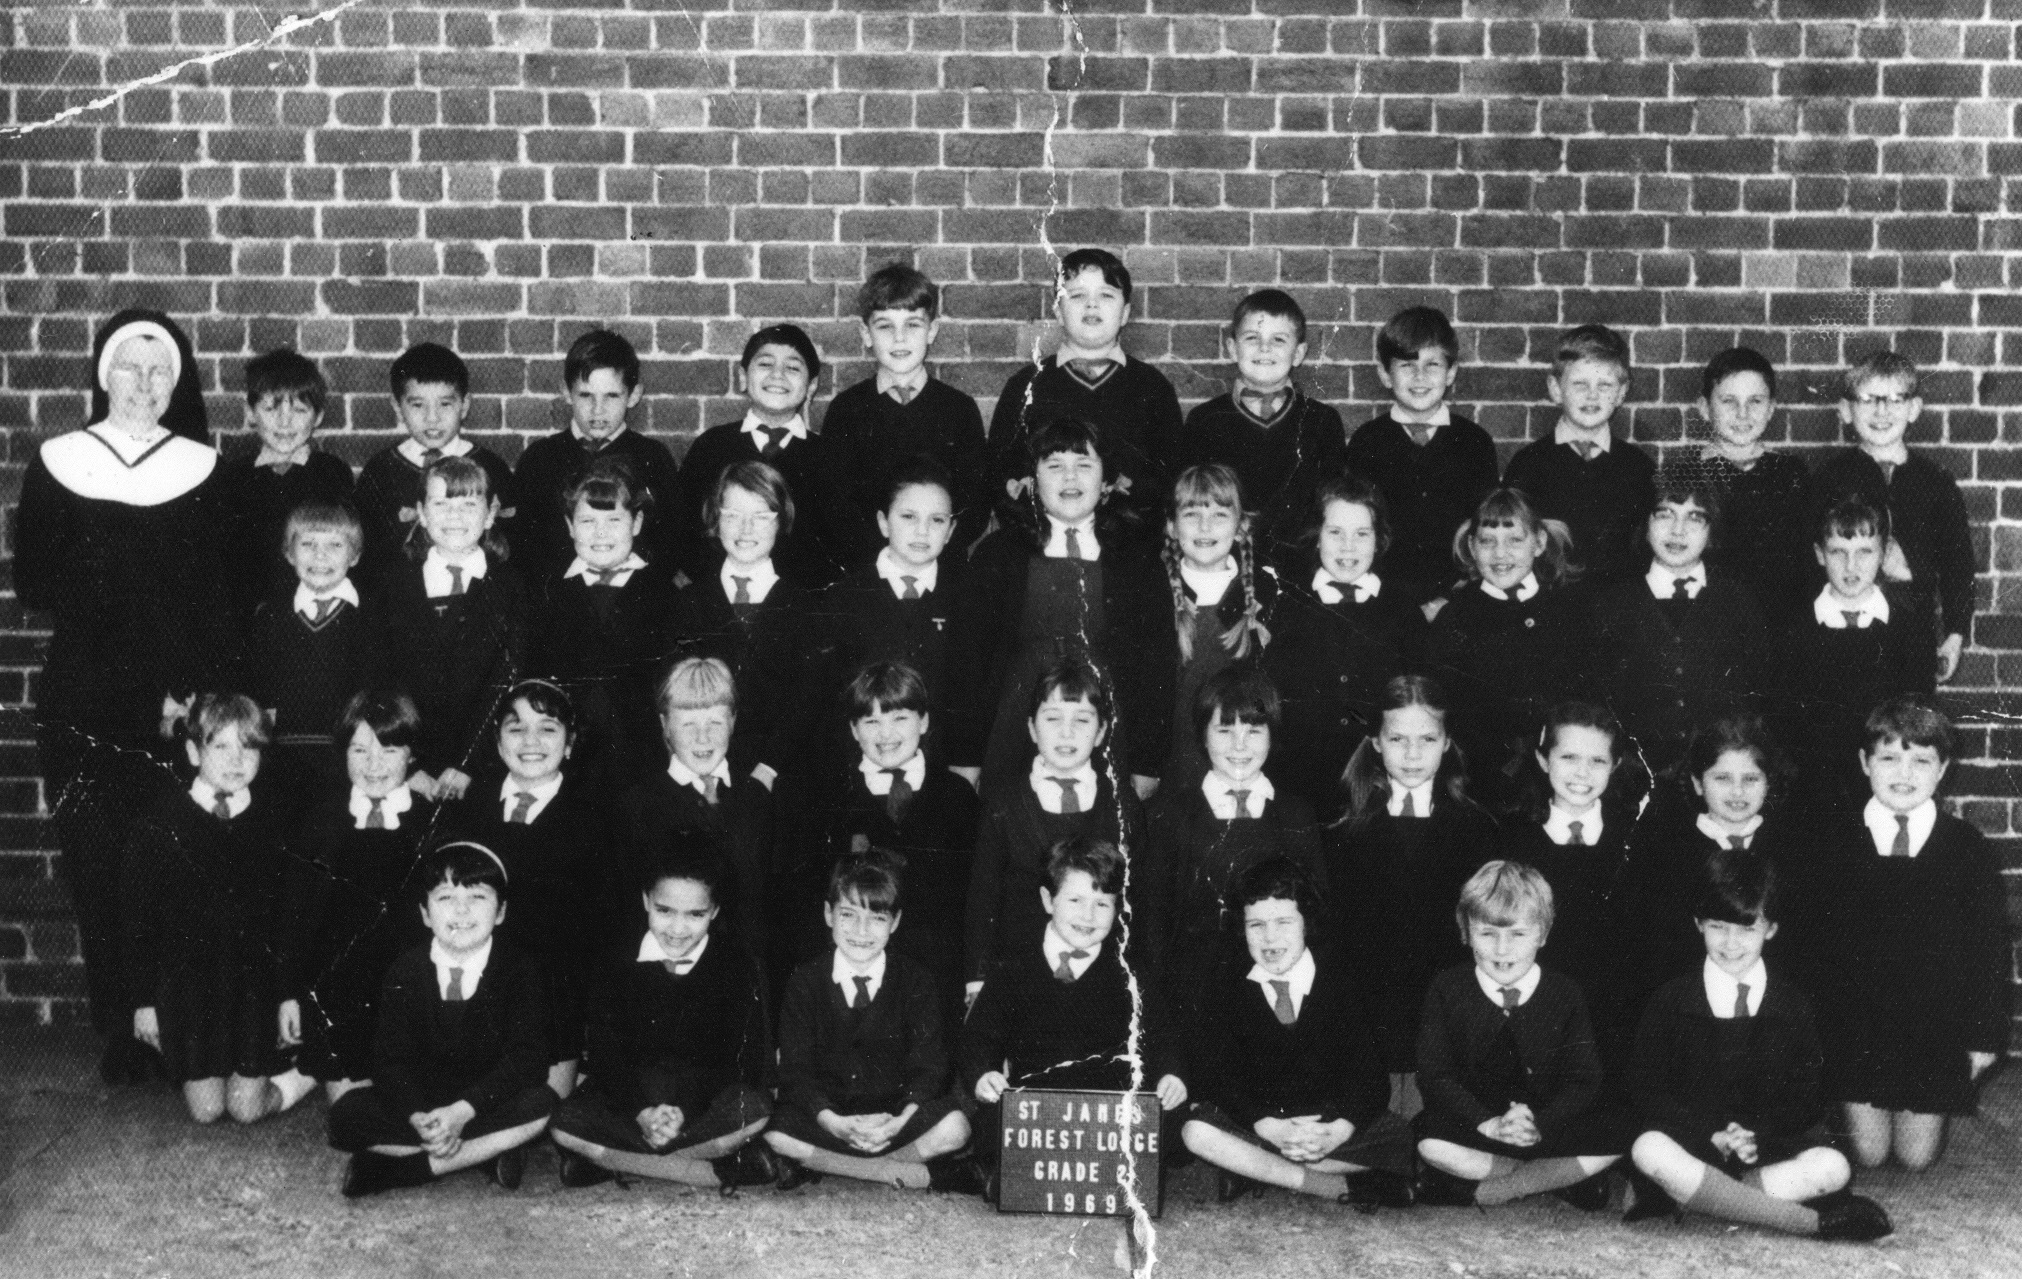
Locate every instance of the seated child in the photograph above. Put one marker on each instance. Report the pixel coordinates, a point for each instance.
(863, 1069)
(1064, 794)
(1927, 513)
(1134, 410)
(201, 882)
(1726, 1079)
(778, 373)
(600, 380)
(1432, 466)
(893, 799)
(353, 866)
(678, 1049)
(431, 395)
(900, 417)
(1761, 492)
(452, 1087)
(1279, 442)
(1396, 861)
(1506, 1061)
(1337, 641)
(1684, 643)
(1909, 938)
(603, 626)
(1599, 486)
(1058, 1009)
(285, 394)
(1292, 1089)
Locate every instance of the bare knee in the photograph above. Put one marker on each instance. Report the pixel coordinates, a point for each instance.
(1827, 1168)
(791, 1147)
(205, 1099)
(950, 1135)
(1650, 1149)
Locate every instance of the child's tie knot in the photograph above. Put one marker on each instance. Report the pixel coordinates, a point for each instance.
(1901, 848)
(863, 995)
(743, 594)
(1281, 1002)
(1740, 1000)
(1576, 834)
(455, 994)
(902, 394)
(912, 588)
(1065, 972)
(455, 579)
(523, 805)
(1853, 618)
(1073, 544)
(375, 813)
(1511, 997)
(1090, 371)
(222, 808)
(1070, 797)
(900, 795)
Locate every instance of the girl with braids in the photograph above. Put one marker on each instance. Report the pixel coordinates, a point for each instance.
(1220, 600)
(1078, 579)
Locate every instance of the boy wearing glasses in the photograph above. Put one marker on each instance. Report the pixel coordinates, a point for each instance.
(1926, 511)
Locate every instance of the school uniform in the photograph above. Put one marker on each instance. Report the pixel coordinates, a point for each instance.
(671, 809)
(261, 491)
(199, 896)
(389, 492)
(1334, 647)
(1677, 651)
(807, 463)
(1476, 1058)
(1430, 488)
(1395, 879)
(1127, 400)
(1699, 1067)
(1281, 448)
(1588, 906)
(1201, 839)
(1910, 957)
(1763, 541)
(861, 1044)
(767, 645)
(1839, 662)
(1927, 517)
(541, 543)
(1299, 1045)
(473, 1032)
(352, 889)
(456, 652)
(1019, 827)
(878, 426)
(607, 638)
(1666, 873)
(1605, 499)
(306, 656)
(688, 1033)
(873, 614)
(1208, 606)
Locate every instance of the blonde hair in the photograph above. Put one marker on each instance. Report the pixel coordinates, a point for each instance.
(1214, 485)
(1507, 508)
(698, 683)
(1503, 893)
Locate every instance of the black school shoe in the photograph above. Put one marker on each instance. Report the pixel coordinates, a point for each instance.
(955, 1175)
(1648, 1200)
(577, 1171)
(1376, 1188)
(508, 1169)
(1854, 1220)
(751, 1164)
(1230, 1186)
(793, 1174)
(1444, 1190)
(1590, 1195)
(369, 1173)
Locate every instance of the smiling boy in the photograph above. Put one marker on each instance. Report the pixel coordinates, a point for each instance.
(285, 397)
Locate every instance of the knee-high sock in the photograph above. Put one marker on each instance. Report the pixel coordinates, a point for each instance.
(1720, 1195)
(1533, 1178)
(885, 1168)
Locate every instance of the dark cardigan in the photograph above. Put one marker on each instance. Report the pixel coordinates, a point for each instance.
(1665, 679)
(1927, 514)
(1279, 462)
(1060, 1034)
(1457, 1045)
(768, 652)
(429, 1052)
(833, 1057)
(1326, 1063)
(656, 1039)
(1431, 491)
(1683, 1083)
(1135, 408)
(871, 436)
(456, 656)
(1604, 500)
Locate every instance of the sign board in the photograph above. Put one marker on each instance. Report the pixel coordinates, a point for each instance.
(1068, 1154)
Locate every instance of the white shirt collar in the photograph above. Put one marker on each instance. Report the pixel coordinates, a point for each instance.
(397, 801)
(1559, 824)
(924, 579)
(298, 456)
(1222, 796)
(761, 578)
(652, 952)
(1524, 589)
(1421, 797)
(305, 599)
(609, 440)
(1208, 586)
(1882, 826)
(753, 424)
(1660, 580)
(206, 797)
(1366, 587)
(687, 776)
(473, 968)
(1526, 986)
(1056, 543)
(1830, 611)
(1721, 988)
(879, 782)
(1114, 352)
(1048, 790)
(580, 567)
(411, 449)
(1054, 946)
(1566, 433)
(916, 381)
(435, 577)
(1721, 834)
(844, 976)
(1437, 416)
(1895, 455)
(1298, 979)
(509, 795)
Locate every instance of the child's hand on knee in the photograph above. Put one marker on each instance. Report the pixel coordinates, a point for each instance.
(1172, 1092)
(147, 1027)
(290, 1019)
(991, 1086)
(1980, 1063)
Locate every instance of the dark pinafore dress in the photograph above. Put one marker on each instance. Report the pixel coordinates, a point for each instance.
(1186, 763)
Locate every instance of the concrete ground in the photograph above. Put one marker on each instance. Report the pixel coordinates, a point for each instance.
(97, 1182)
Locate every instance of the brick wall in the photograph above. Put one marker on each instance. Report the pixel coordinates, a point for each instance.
(1812, 177)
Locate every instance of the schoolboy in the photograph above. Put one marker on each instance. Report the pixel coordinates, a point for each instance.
(1432, 466)
(285, 397)
(777, 374)
(893, 798)
(1598, 484)
(678, 1048)
(1507, 1064)
(1762, 489)
(1685, 643)
(1292, 1085)
(452, 1088)
(1726, 1080)
(1927, 512)
(1063, 796)
(600, 380)
(602, 629)
(1089, 377)
(863, 1067)
(431, 397)
(1280, 442)
(899, 415)
(1059, 1009)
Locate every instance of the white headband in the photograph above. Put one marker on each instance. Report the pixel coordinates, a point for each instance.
(137, 329)
(471, 843)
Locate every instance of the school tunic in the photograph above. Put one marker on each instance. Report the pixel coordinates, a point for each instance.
(1431, 489)
(456, 656)
(1667, 669)
(260, 500)
(608, 646)
(1604, 500)
(304, 671)
(871, 436)
(542, 547)
(769, 651)
(1132, 405)
(1279, 462)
